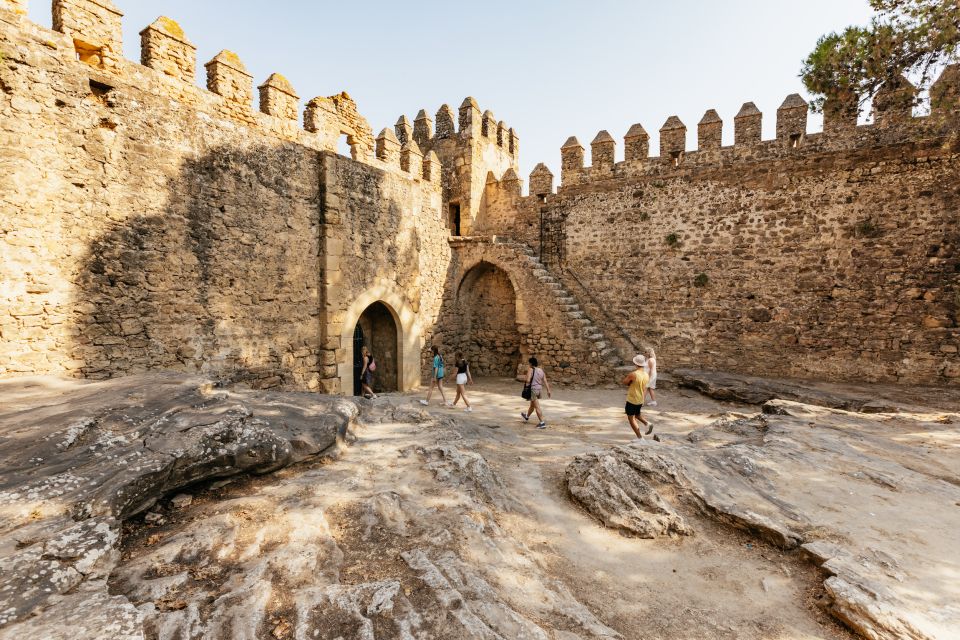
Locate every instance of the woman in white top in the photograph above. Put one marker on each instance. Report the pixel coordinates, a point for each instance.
(652, 372)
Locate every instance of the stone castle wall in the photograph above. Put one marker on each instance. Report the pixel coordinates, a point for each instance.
(148, 223)
(385, 239)
(829, 255)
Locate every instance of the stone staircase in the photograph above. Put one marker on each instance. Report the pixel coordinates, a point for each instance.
(567, 302)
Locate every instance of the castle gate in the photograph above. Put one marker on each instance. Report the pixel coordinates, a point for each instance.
(377, 330)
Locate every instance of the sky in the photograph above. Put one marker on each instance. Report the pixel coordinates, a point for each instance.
(548, 68)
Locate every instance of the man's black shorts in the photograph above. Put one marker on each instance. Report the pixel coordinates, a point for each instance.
(633, 409)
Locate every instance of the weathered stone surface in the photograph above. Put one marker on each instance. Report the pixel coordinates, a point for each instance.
(829, 481)
(734, 387)
(622, 497)
(77, 458)
(796, 257)
(194, 233)
(330, 552)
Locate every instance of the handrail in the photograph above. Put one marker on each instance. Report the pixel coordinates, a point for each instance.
(610, 320)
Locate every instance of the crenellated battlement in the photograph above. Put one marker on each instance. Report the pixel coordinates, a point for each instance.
(94, 35)
(165, 47)
(468, 124)
(471, 145)
(893, 124)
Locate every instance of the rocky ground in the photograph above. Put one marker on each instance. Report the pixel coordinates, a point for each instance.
(164, 507)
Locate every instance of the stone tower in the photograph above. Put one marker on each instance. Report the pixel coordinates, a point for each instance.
(472, 147)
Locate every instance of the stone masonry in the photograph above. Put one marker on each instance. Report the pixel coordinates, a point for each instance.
(831, 255)
(148, 223)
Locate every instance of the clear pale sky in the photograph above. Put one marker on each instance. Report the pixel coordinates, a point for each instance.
(548, 68)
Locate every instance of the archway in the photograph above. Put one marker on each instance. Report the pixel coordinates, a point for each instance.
(377, 330)
(488, 333)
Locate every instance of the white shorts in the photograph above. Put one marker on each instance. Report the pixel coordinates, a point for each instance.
(461, 378)
(653, 383)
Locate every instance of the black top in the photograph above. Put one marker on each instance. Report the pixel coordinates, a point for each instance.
(462, 366)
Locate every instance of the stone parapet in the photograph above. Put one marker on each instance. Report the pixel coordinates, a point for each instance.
(228, 77)
(95, 28)
(277, 98)
(165, 47)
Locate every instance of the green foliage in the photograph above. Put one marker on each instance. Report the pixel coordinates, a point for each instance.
(701, 280)
(673, 239)
(866, 229)
(906, 38)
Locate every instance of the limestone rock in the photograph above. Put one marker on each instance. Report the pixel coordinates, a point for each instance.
(852, 490)
(622, 497)
(77, 461)
(734, 387)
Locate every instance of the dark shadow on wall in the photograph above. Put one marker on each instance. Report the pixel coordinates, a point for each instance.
(220, 277)
(479, 319)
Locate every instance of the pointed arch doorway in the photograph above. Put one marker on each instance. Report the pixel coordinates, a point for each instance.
(376, 329)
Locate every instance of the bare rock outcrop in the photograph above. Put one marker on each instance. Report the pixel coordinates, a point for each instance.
(398, 539)
(870, 500)
(622, 496)
(737, 387)
(78, 458)
(327, 553)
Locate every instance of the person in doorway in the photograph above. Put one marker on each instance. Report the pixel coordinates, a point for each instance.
(652, 372)
(537, 381)
(636, 381)
(366, 375)
(463, 379)
(437, 378)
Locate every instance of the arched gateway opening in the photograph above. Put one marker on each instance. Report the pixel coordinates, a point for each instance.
(489, 335)
(377, 330)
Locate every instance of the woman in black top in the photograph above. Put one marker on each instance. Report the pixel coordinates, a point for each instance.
(463, 377)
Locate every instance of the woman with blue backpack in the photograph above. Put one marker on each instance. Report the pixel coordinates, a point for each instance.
(436, 378)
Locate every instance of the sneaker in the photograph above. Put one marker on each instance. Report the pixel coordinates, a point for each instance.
(525, 417)
(425, 403)
(652, 404)
(468, 410)
(542, 425)
(656, 437)
(649, 428)
(448, 405)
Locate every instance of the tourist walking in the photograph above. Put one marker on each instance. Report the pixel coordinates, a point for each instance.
(366, 375)
(637, 381)
(437, 378)
(532, 388)
(652, 372)
(463, 378)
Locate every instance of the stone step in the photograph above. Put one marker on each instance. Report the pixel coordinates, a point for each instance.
(554, 286)
(583, 322)
(575, 314)
(541, 273)
(568, 300)
(547, 279)
(569, 307)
